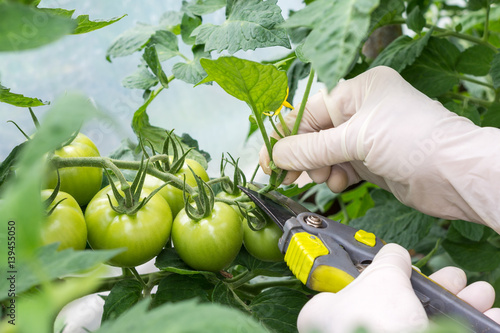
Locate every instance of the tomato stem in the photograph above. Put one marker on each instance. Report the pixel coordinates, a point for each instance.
(146, 290)
(302, 107)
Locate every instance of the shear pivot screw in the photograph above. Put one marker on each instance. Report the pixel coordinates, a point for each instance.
(313, 221)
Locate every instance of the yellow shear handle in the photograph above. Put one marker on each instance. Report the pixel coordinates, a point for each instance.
(302, 251)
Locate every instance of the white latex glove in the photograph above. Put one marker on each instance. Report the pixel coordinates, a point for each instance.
(381, 299)
(379, 128)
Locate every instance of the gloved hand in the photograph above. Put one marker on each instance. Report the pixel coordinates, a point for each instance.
(379, 128)
(382, 300)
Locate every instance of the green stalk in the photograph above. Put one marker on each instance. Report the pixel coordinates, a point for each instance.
(147, 291)
(461, 97)
(300, 113)
(486, 33)
(484, 84)
(286, 131)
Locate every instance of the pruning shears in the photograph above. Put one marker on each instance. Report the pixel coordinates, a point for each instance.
(327, 255)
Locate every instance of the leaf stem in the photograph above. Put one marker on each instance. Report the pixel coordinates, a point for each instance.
(486, 33)
(469, 79)
(286, 131)
(461, 97)
(302, 107)
(146, 290)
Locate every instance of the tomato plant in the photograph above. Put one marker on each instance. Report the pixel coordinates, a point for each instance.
(65, 224)
(81, 182)
(142, 233)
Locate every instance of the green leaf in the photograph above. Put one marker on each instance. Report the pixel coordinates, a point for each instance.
(333, 44)
(151, 58)
(130, 41)
(386, 12)
(262, 87)
(492, 116)
(25, 27)
(467, 111)
(278, 308)
(416, 19)
(297, 71)
(7, 166)
(175, 288)
(17, 99)
(85, 25)
(469, 230)
(22, 191)
(171, 21)
(433, 73)
(165, 43)
(191, 71)
(202, 7)
(250, 24)
(186, 316)
(478, 256)
(140, 79)
(477, 4)
(495, 70)
(168, 260)
(394, 222)
(124, 294)
(49, 264)
(402, 52)
(357, 202)
(222, 294)
(476, 60)
(188, 24)
(259, 267)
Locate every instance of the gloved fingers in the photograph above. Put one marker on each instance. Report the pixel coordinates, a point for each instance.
(480, 295)
(291, 176)
(264, 160)
(391, 256)
(311, 150)
(493, 313)
(341, 176)
(319, 175)
(451, 278)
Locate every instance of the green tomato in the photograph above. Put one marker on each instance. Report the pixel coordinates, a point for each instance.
(263, 243)
(143, 234)
(82, 183)
(66, 224)
(211, 243)
(227, 196)
(173, 195)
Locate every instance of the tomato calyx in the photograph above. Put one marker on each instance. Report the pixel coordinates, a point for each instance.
(172, 148)
(130, 202)
(52, 197)
(231, 187)
(204, 200)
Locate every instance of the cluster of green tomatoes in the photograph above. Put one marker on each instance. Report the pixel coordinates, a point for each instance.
(210, 242)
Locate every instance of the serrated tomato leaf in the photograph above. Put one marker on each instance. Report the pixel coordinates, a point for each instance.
(192, 71)
(49, 264)
(476, 60)
(202, 7)
(185, 316)
(166, 44)
(140, 79)
(123, 295)
(85, 25)
(6, 96)
(250, 24)
(278, 308)
(175, 288)
(262, 87)
(259, 267)
(392, 221)
(402, 52)
(333, 44)
(24, 27)
(495, 70)
(433, 72)
(131, 40)
(476, 256)
(151, 57)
